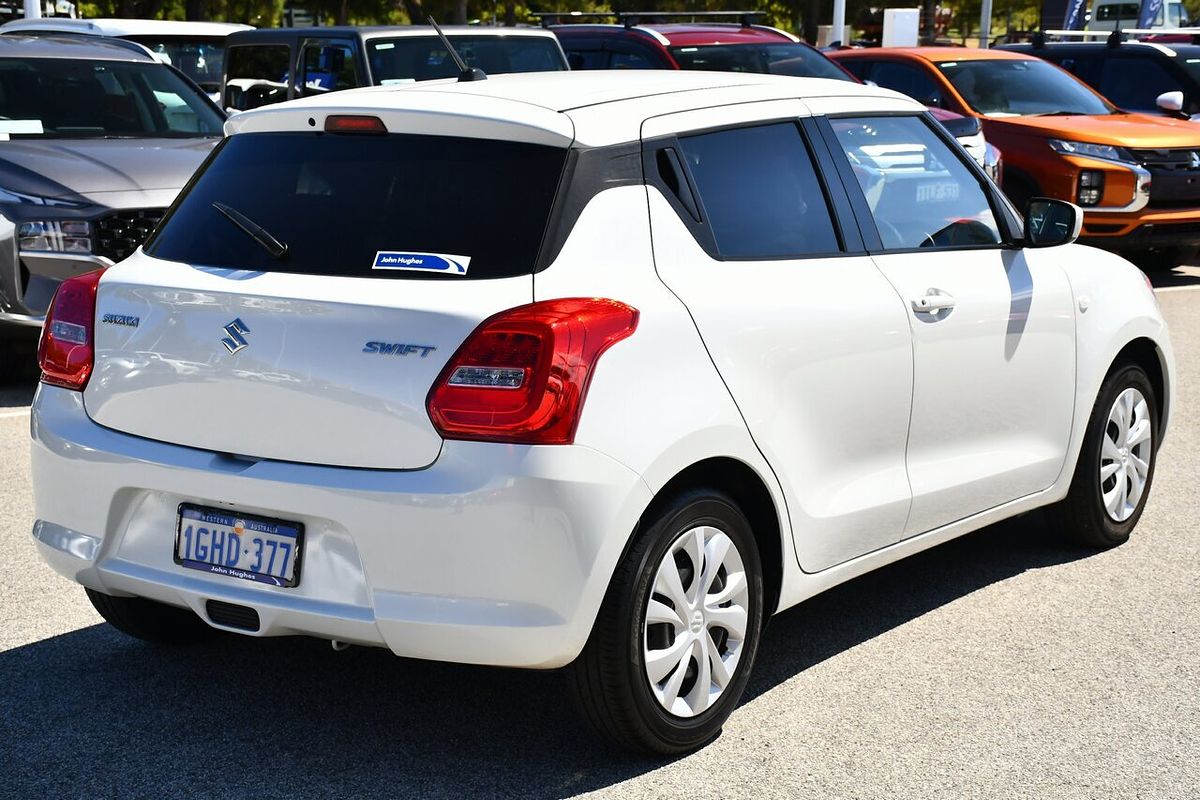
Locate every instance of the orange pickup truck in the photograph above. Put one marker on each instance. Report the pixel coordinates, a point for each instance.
(1137, 177)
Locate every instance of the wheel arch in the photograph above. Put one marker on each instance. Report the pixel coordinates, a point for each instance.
(1146, 353)
(750, 492)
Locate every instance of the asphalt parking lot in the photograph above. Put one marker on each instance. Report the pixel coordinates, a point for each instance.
(1003, 664)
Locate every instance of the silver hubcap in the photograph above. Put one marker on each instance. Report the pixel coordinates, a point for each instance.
(1125, 455)
(696, 620)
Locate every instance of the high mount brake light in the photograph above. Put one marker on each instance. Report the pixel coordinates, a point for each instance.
(66, 352)
(354, 123)
(522, 375)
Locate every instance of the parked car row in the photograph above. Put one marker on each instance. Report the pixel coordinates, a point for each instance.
(1136, 176)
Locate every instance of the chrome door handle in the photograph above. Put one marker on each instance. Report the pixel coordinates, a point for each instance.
(933, 302)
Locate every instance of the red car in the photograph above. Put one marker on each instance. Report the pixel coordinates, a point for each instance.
(738, 45)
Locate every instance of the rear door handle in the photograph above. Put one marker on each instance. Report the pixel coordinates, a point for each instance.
(935, 300)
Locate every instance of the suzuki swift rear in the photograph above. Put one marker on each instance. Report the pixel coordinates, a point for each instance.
(592, 370)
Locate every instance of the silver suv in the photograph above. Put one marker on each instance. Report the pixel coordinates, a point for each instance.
(98, 140)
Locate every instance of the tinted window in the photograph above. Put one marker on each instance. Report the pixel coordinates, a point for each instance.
(920, 193)
(761, 192)
(327, 68)
(423, 58)
(1123, 11)
(859, 67)
(1135, 83)
(1013, 88)
(257, 76)
(630, 61)
(201, 59)
(587, 59)
(72, 98)
(797, 60)
(908, 80)
(336, 201)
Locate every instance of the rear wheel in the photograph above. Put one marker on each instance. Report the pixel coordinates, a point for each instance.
(676, 636)
(151, 621)
(1116, 464)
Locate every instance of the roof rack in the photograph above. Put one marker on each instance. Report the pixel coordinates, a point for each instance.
(1113, 38)
(632, 18)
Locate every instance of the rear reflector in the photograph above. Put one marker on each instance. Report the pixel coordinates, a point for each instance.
(353, 123)
(66, 351)
(522, 376)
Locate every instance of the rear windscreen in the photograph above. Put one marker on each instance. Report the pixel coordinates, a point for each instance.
(390, 206)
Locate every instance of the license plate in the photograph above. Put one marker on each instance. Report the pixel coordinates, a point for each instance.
(244, 546)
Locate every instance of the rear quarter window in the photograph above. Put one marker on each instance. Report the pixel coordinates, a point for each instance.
(338, 201)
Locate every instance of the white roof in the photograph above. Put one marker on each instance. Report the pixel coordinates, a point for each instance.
(591, 108)
(125, 27)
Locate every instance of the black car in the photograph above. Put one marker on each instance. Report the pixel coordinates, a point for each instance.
(272, 65)
(1133, 75)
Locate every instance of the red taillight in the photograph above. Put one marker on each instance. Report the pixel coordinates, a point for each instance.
(521, 377)
(66, 352)
(353, 123)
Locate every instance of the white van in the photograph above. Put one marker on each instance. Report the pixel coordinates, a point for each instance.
(1108, 14)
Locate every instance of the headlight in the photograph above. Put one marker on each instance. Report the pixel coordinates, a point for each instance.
(9, 196)
(55, 236)
(1104, 151)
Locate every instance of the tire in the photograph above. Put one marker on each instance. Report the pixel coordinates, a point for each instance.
(151, 621)
(1087, 514)
(611, 678)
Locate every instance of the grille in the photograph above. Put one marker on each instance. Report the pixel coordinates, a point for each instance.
(231, 615)
(118, 234)
(1168, 160)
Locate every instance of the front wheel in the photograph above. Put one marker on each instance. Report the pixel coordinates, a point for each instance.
(676, 636)
(1116, 463)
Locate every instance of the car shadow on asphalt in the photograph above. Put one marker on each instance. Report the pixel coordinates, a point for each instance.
(18, 372)
(1180, 276)
(95, 713)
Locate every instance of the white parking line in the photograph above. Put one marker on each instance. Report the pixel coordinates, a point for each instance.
(24, 412)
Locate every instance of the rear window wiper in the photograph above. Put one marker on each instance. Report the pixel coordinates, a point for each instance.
(257, 232)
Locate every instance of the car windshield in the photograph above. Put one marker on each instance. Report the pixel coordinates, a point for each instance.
(1022, 88)
(423, 58)
(200, 58)
(797, 60)
(1191, 64)
(70, 98)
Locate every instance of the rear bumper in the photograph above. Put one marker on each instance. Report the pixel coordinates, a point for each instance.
(496, 554)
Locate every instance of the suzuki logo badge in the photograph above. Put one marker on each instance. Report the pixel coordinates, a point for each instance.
(236, 340)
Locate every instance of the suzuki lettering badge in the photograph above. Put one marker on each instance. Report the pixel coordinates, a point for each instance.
(236, 340)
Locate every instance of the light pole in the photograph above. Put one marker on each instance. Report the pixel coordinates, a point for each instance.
(837, 32)
(33, 9)
(985, 23)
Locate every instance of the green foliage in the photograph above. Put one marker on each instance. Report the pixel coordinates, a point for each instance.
(795, 15)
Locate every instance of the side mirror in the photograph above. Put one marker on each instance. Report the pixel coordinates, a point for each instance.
(1049, 223)
(962, 127)
(1170, 101)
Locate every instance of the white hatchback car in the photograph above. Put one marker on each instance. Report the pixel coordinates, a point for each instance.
(587, 369)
